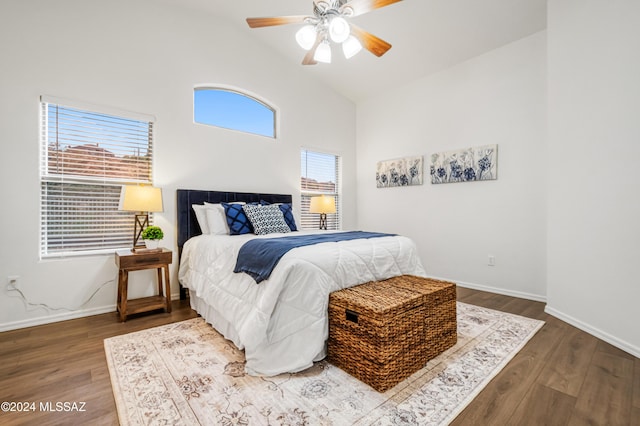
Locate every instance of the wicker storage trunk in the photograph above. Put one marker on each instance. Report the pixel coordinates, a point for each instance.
(382, 332)
(441, 327)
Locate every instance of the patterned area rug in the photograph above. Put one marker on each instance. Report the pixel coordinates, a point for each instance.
(187, 374)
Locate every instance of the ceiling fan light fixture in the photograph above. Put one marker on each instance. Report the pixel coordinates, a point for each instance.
(330, 23)
(351, 47)
(339, 29)
(306, 36)
(323, 53)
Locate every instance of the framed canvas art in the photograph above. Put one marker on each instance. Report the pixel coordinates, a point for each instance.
(405, 171)
(465, 165)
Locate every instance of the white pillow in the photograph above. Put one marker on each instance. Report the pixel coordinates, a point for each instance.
(200, 211)
(217, 218)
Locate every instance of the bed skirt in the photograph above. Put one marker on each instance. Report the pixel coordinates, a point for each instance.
(269, 358)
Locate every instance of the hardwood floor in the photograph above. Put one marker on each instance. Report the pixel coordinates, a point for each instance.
(65, 362)
(563, 376)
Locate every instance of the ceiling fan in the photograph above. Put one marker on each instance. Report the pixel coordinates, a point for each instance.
(330, 23)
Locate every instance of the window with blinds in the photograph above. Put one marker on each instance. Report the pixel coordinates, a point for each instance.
(320, 175)
(86, 157)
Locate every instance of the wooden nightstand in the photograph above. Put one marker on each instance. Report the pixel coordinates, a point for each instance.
(130, 261)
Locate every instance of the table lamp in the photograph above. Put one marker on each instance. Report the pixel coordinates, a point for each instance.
(141, 199)
(323, 205)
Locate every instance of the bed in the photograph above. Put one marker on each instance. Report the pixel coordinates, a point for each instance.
(282, 322)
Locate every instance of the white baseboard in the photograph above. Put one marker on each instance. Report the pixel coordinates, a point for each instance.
(48, 319)
(497, 290)
(625, 346)
(621, 344)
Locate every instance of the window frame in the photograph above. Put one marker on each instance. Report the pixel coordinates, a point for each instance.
(110, 184)
(247, 94)
(311, 221)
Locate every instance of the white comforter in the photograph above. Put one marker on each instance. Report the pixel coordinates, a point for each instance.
(282, 322)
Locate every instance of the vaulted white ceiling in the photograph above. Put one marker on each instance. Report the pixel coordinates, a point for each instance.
(427, 36)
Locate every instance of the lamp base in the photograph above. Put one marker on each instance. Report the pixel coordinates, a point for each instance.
(323, 221)
(139, 225)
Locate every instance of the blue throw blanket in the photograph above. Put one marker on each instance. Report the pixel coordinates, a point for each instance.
(258, 257)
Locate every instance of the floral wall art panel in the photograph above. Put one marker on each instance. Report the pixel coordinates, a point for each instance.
(400, 172)
(465, 165)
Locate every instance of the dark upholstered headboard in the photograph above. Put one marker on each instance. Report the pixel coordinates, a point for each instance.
(188, 225)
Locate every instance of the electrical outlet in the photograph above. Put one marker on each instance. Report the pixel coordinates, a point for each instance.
(12, 282)
(492, 261)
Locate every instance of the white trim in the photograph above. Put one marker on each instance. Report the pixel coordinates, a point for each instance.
(239, 90)
(14, 325)
(323, 150)
(621, 344)
(497, 290)
(103, 109)
(85, 253)
(243, 92)
(49, 319)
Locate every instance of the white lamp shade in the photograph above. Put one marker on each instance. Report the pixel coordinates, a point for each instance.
(351, 47)
(140, 198)
(306, 36)
(323, 53)
(322, 204)
(339, 29)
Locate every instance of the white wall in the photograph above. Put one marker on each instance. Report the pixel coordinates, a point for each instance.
(594, 190)
(497, 98)
(143, 56)
(561, 220)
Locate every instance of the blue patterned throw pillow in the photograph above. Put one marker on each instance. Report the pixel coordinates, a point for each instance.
(236, 219)
(287, 211)
(266, 219)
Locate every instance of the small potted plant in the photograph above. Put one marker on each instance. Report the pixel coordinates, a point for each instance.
(152, 236)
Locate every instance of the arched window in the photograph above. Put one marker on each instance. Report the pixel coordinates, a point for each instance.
(232, 109)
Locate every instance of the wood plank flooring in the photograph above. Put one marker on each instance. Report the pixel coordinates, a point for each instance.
(563, 376)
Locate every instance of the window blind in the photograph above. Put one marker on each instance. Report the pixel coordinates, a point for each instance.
(320, 175)
(86, 156)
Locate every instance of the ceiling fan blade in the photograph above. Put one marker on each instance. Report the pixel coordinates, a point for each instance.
(279, 20)
(308, 58)
(373, 44)
(361, 7)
